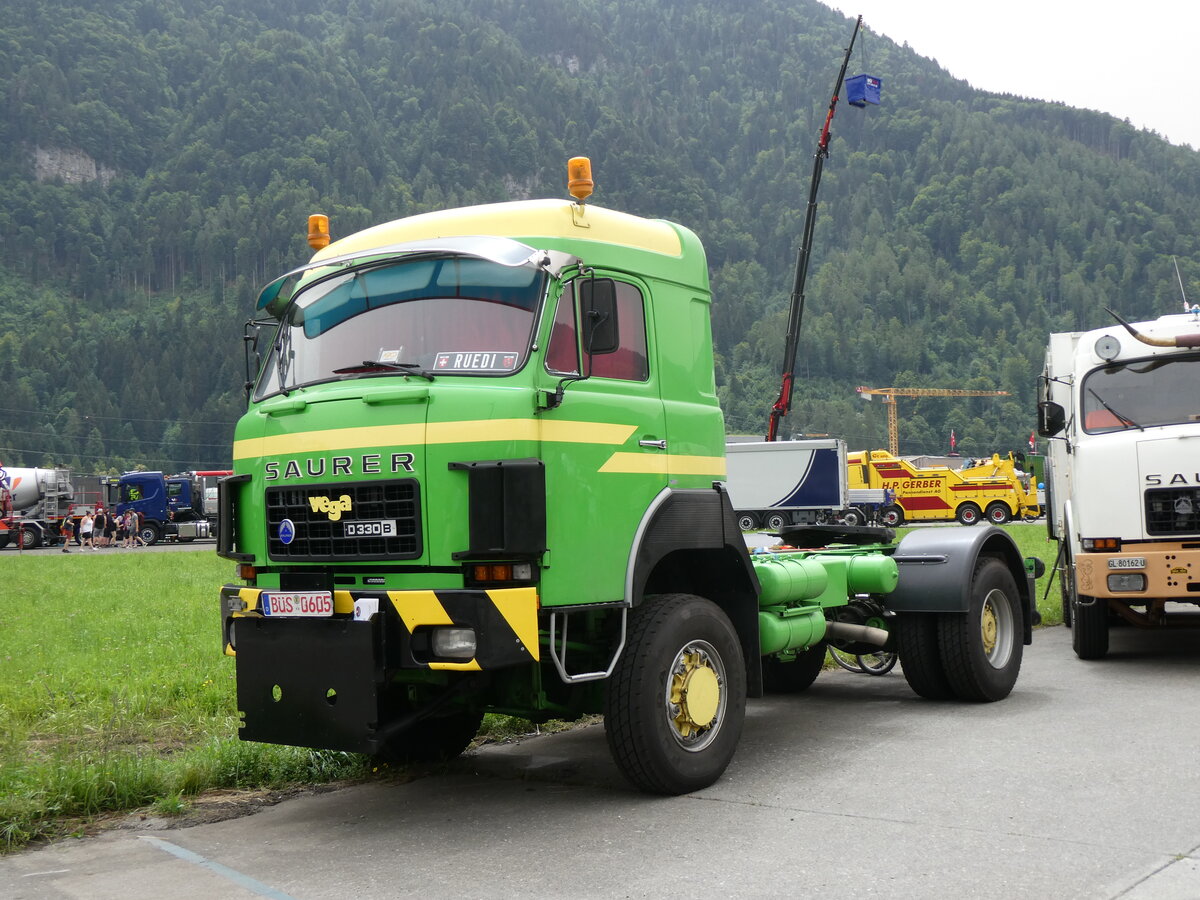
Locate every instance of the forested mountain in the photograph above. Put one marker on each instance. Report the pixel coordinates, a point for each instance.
(162, 157)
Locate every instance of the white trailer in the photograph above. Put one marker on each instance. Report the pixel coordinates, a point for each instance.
(1120, 406)
(776, 483)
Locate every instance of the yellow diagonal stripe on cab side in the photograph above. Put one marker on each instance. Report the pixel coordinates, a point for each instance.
(519, 608)
(335, 439)
(664, 464)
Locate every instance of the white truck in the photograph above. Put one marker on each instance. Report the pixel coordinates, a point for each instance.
(33, 504)
(772, 484)
(1121, 407)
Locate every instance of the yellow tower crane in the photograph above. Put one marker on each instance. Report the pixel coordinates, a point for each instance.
(890, 394)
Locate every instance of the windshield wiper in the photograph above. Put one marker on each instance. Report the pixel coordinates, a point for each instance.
(369, 365)
(1124, 420)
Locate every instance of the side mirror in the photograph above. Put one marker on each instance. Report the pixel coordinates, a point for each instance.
(598, 308)
(1052, 418)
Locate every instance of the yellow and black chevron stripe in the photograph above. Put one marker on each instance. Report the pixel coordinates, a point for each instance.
(505, 622)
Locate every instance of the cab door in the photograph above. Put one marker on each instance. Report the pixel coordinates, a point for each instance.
(603, 435)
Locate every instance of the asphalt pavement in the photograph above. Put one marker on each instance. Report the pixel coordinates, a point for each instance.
(1080, 784)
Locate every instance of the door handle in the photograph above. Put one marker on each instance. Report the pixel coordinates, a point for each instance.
(661, 445)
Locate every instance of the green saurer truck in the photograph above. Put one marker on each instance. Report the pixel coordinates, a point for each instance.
(482, 469)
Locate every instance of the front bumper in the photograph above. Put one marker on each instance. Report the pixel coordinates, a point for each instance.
(333, 682)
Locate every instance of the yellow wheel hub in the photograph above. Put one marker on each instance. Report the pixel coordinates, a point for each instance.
(696, 691)
(988, 628)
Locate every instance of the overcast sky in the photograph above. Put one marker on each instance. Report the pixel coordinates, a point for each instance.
(1138, 61)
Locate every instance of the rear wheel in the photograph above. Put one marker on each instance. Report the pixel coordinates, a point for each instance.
(675, 704)
(853, 517)
(1089, 636)
(792, 677)
(968, 514)
(981, 649)
(920, 656)
(747, 521)
(998, 513)
(775, 521)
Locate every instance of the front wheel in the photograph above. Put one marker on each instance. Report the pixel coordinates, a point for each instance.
(31, 538)
(968, 514)
(893, 517)
(149, 533)
(435, 739)
(747, 521)
(981, 649)
(675, 704)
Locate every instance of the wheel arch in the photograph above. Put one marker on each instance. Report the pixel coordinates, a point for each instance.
(936, 567)
(689, 542)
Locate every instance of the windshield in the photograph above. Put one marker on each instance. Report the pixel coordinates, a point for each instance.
(423, 316)
(1142, 393)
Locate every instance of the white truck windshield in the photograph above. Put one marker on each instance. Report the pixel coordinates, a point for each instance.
(1142, 393)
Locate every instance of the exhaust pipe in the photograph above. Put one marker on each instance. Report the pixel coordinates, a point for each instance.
(1182, 340)
(862, 634)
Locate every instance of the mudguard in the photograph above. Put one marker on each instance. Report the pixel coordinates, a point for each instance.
(936, 565)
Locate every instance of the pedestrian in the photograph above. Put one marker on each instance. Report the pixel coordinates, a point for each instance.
(67, 531)
(110, 528)
(86, 525)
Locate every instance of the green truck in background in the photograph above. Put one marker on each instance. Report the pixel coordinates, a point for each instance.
(482, 469)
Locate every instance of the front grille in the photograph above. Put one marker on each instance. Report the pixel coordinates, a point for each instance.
(319, 515)
(1173, 511)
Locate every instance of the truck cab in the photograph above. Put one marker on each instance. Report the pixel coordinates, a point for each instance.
(1123, 488)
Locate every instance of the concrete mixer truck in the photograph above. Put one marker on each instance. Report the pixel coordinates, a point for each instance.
(33, 504)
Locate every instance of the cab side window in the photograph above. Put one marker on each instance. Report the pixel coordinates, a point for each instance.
(625, 359)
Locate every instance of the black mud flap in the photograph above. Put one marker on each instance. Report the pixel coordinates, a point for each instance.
(309, 683)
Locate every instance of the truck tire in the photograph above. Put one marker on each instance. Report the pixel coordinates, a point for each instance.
(31, 538)
(998, 513)
(893, 517)
(3, 539)
(150, 533)
(747, 521)
(775, 521)
(433, 740)
(968, 514)
(675, 703)
(982, 648)
(793, 676)
(920, 655)
(853, 518)
(1089, 636)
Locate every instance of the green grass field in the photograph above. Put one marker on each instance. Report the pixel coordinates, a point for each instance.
(114, 693)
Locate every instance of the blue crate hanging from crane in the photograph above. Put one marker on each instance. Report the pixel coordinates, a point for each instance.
(862, 89)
